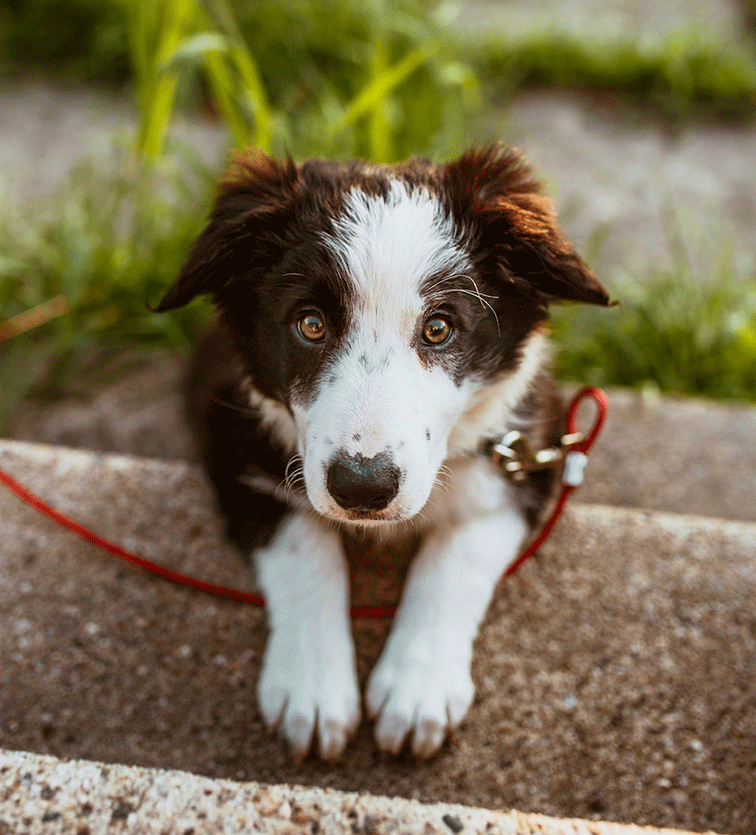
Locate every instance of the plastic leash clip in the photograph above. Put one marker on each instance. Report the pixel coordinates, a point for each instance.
(576, 457)
(574, 468)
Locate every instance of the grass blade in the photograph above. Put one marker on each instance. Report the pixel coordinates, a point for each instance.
(379, 88)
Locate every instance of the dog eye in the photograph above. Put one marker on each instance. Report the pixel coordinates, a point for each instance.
(437, 331)
(311, 327)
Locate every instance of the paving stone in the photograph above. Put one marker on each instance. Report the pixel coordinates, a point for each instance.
(44, 794)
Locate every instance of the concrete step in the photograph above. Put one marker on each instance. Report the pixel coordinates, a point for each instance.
(616, 674)
(678, 455)
(45, 794)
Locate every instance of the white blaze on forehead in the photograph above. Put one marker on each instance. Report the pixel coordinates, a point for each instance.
(388, 246)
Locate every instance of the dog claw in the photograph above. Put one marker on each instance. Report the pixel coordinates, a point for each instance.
(298, 731)
(391, 732)
(428, 737)
(425, 702)
(332, 740)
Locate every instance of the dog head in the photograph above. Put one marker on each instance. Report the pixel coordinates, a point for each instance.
(395, 312)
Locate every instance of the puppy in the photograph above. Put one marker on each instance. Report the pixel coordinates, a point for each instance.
(377, 326)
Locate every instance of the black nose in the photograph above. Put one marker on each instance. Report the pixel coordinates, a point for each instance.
(363, 484)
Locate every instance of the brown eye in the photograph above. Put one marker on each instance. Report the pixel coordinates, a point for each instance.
(312, 327)
(437, 331)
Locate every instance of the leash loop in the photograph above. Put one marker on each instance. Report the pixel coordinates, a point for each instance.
(572, 454)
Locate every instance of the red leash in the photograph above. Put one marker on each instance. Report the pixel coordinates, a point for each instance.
(574, 463)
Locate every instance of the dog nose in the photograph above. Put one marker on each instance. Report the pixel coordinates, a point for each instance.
(362, 484)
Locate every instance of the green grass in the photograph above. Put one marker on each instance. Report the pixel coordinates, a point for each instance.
(689, 73)
(347, 81)
(309, 52)
(686, 329)
(670, 333)
(376, 80)
(82, 40)
(109, 242)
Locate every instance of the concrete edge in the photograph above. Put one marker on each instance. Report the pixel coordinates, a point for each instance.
(41, 455)
(45, 794)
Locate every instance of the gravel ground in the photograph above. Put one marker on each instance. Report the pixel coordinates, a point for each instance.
(47, 127)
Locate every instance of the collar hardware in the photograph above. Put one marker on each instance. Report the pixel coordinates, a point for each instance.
(516, 459)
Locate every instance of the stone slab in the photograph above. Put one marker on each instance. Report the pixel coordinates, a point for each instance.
(44, 794)
(616, 674)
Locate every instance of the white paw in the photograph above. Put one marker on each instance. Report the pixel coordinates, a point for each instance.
(306, 686)
(427, 698)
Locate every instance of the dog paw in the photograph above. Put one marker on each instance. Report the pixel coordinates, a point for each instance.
(426, 699)
(302, 694)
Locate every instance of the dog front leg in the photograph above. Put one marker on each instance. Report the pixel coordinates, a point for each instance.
(309, 679)
(422, 684)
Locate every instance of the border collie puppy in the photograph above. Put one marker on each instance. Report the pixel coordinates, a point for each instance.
(378, 324)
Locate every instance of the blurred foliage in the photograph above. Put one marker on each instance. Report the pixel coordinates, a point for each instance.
(84, 40)
(310, 55)
(687, 73)
(333, 79)
(383, 79)
(672, 333)
(109, 241)
(273, 70)
(689, 328)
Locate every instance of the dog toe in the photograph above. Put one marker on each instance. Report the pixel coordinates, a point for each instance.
(298, 728)
(426, 700)
(392, 730)
(428, 737)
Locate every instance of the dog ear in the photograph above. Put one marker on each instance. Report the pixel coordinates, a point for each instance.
(253, 205)
(496, 195)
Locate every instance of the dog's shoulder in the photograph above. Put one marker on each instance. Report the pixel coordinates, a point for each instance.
(244, 440)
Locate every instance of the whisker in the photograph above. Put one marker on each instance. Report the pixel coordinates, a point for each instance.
(295, 477)
(446, 470)
(444, 476)
(422, 515)
(481, 297)
(442, 486)
(462, 275)
(474, 284)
